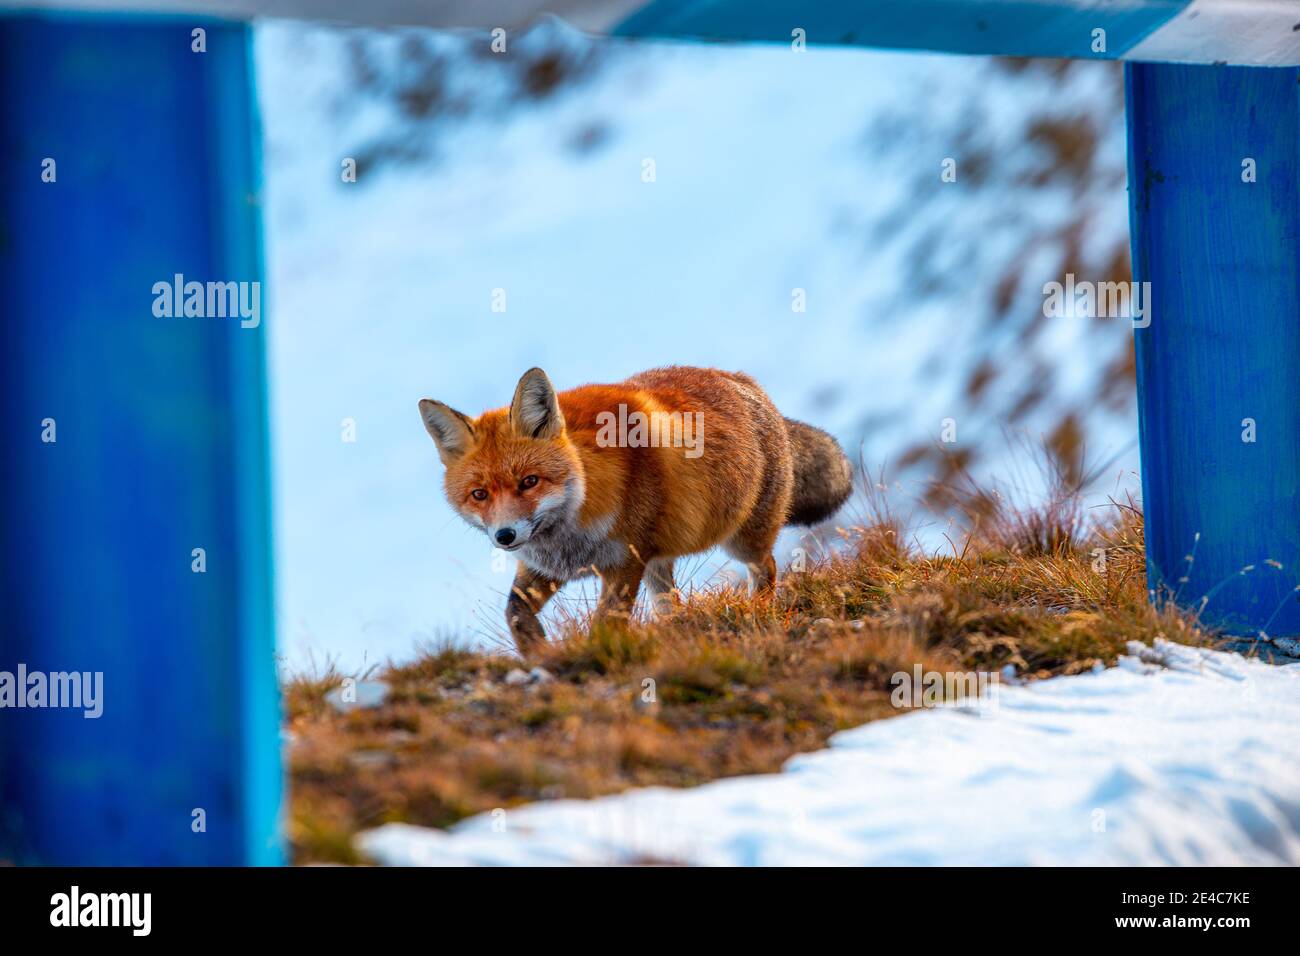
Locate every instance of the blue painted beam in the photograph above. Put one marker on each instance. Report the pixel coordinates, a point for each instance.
(1256, 33)
(160, 448)
(1218, 368)
(1062, 28)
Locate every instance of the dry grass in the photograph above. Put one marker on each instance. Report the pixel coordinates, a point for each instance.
(739, 684)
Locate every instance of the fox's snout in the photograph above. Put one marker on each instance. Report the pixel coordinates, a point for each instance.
(510, 534)
(499, 504)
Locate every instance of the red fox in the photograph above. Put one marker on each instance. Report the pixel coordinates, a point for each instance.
(620, 480)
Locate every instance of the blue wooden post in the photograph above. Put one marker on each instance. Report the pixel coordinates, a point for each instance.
(1219, 364)
(161, 447)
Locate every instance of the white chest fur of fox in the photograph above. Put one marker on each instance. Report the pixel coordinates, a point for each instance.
(541, 482)
(568, 550)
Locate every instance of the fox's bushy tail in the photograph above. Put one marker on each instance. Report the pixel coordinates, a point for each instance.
(823, 476)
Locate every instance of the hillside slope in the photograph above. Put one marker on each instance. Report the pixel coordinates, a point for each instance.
(1179, 756)
(725, 685)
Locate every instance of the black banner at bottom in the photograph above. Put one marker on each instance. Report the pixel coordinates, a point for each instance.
(335, 905)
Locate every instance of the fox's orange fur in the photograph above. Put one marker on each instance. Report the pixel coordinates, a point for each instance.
(542, 479)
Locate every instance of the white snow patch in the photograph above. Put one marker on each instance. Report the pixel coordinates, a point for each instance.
(1178, 756)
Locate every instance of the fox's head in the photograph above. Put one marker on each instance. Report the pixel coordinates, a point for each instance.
(513, 473)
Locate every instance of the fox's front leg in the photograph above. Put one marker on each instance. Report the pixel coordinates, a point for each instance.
(659, 582)
(618, 591)
(528, 595)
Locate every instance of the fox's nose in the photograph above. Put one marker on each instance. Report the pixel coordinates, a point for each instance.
(505, 536)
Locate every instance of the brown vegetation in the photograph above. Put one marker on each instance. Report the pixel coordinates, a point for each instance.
(740, 684)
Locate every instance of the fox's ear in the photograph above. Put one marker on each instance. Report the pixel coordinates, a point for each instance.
(450, 430)
(535, 412)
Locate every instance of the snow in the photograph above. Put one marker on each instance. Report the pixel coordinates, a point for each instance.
(1178, 756)
(775, 171)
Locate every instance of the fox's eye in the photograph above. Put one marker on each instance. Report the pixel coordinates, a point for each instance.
(478, 494)
(528, 482)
